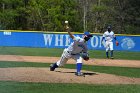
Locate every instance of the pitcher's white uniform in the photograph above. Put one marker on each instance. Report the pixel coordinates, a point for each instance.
(109, 36)
(73, 51)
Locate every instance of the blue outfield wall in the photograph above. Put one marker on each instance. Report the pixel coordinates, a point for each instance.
(53, 40)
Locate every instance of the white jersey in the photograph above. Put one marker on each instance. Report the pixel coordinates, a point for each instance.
(79, 45)
(109, 36)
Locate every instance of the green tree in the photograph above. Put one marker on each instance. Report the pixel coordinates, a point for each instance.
(91, 15)
(7, 14)
(102, 13)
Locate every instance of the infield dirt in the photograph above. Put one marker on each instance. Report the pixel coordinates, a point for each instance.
(62, 75)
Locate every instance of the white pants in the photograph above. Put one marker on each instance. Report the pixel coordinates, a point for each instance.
(109, 45)
(66, 56)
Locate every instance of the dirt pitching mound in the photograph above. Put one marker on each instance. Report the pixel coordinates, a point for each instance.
(61, 75)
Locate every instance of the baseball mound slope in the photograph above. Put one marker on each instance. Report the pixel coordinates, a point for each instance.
(61, 75)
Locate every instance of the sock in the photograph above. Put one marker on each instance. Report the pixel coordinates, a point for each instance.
(111, 53)
(55, 65)
(79, 67)
(107, 55)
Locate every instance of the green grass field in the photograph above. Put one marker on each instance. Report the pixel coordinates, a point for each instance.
(19, 87)
(24, 87)
(58, 52)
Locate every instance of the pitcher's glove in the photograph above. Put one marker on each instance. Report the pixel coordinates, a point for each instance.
(117, 43)
(85, 56)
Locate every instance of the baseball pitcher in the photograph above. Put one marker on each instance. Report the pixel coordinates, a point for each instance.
(76, 50)
(108, 36)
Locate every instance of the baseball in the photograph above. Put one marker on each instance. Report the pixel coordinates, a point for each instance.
(66, 22)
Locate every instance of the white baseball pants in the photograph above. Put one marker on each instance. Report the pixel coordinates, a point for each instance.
(66, 55)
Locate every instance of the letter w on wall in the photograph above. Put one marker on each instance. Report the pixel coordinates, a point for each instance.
(48, 39)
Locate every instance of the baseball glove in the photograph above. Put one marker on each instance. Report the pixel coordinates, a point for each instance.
(117, 43)
(85, 56)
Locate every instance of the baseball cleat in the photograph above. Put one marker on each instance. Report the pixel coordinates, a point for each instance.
(112, 57)
(52, 68)
(79, 74)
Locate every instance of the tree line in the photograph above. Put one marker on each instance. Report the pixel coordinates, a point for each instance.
(83, 15)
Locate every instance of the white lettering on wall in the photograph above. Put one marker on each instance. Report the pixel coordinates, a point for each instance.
(48, 39)
(67, 40)
(94, 41)
(100, 43)
(7, 33)
(59, 40)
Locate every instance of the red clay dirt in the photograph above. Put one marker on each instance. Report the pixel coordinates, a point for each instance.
(62, 75)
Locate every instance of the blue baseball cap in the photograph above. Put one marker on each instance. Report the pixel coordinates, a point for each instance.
(87, 33)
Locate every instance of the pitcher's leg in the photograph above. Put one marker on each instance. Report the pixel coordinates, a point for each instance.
(53, 66)
(78, 67)
(59, 63)
(64, 58)
(79, 64)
